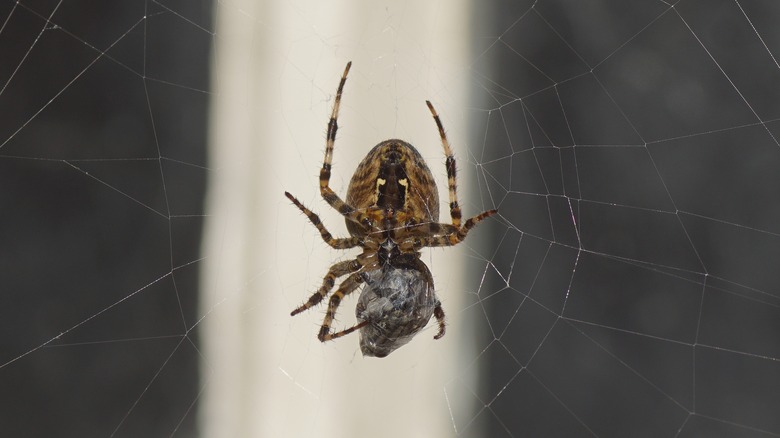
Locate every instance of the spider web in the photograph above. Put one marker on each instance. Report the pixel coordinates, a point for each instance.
(628, 288)
(102, 150)
(634, 155)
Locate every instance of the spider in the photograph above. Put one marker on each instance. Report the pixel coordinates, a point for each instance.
(391, 212)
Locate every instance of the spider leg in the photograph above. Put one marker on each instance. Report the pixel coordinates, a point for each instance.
(449, 235)
(449, 239)
(455, 212)
(343, 243)
(432, 228)
(338, 270)
(347, 286)
(327, 193)
(331, 336)
(438, 312)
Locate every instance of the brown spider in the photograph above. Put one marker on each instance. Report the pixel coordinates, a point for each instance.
(392, 211)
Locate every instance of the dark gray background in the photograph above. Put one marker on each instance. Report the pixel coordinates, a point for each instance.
(72, 244)
(654, 129)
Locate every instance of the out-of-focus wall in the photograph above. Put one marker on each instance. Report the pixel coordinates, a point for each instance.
(276, 69)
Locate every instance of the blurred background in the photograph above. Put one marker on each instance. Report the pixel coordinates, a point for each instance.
(149, 260)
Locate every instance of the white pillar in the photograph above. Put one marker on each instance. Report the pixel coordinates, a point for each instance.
(275, 72)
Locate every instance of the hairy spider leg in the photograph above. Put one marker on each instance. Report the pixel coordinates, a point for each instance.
(327, 193)
(338, 270)
(438, 312)
(331, 336)
(450, 235)
(345, 288)
(336, 243)
(449, 163)
(449, 239)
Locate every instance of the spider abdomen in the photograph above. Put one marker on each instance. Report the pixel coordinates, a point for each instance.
(393, 175)
(397, 302)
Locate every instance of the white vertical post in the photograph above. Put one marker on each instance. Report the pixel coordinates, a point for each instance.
(276, 68)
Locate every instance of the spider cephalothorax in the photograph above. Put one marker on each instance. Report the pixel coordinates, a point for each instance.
(392, 211)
